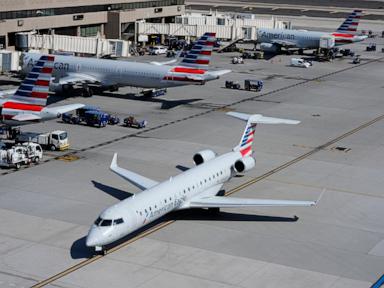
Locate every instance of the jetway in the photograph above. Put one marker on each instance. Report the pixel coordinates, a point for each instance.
(226, 27)
(73, 44)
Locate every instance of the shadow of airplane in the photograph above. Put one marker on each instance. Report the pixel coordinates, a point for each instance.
(165, 104)
(114, 192)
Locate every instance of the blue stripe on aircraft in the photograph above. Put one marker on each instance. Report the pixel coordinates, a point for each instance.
(26, 87)
(29, 81)
(22, 93)
(379, 282)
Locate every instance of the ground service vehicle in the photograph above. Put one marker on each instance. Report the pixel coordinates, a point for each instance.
(55, 140)
(131, 121)
(90, 115)
(232, 84)
(300, 62)
(253, 85)
(21, 155)
(157, 50)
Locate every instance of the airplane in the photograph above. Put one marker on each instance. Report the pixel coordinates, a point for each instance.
(197, 187)
(71, 71)
(273, 40)
(28, 104)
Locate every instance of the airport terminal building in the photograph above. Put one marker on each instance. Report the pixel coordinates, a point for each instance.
(113, 18)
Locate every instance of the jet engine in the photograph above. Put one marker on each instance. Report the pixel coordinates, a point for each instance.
(245, 164)
(268, 47)
(203, 156)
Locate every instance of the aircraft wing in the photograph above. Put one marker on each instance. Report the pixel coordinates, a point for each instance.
(64, 108)
(233, 202)
(284, 43)
(77, 78)
(219, 73)
(139, 181)
(26, 117)
(163, 63)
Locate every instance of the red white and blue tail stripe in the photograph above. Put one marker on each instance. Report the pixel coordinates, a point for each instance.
(35, 87)
(350, 24)
(245, 146)
(200, 54)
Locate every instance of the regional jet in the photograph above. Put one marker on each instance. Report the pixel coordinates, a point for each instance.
(197, 187)
(28, 103)
(73, 72)
(273, 40)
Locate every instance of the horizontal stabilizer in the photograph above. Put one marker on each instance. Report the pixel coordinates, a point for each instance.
(258, 118)
(139, 181)
(232, 202)
(63, 109)
(26, 117)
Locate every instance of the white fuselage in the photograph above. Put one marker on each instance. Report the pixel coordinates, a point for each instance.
(304, 39)
(173, 194)
(114, 72)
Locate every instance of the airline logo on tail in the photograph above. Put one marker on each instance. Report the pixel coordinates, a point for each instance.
(350, 24)
(200, 54)
(245, 147)
(35, 87)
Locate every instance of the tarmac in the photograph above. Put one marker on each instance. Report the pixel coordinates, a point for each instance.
(47, 209)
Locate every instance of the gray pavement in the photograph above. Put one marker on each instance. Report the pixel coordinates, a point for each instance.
(46, 210)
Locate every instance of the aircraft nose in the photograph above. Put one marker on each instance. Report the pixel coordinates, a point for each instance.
(93, 238)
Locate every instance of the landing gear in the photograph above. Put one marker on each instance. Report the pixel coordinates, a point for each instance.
(100, 250)
(301, 51)
(86, 91)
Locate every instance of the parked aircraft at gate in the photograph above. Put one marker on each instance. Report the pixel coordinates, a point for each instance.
(28, 103)
(196, 187)
(70, 71)
(272, 40)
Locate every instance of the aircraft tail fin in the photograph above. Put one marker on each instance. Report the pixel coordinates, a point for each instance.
(350, 24)
(246, 141)
(35, 87)
(200, 55)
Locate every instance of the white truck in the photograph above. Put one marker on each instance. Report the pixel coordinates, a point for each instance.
(21, 155)
(300, 62)
(55, 140)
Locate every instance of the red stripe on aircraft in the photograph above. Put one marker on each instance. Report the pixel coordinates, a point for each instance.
(41, 95)
(46, 70)
(202, 61)
(188, 70)
(245, 151)
(22, 106)
(42, 83)
(205, 53)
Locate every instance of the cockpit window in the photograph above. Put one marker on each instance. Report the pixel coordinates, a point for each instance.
(118, 221)
(98, 220)
(106, 222)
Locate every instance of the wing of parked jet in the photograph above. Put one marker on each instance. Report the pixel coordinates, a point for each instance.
(26, 117)
(77, 78)
(163, 63)
(284, 43)
(233, 202)
(139, 181)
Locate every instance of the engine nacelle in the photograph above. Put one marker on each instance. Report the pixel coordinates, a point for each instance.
(203, 156)
(269, 47)
(245, 164)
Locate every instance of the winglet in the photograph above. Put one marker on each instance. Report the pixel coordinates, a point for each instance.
(113, 162)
